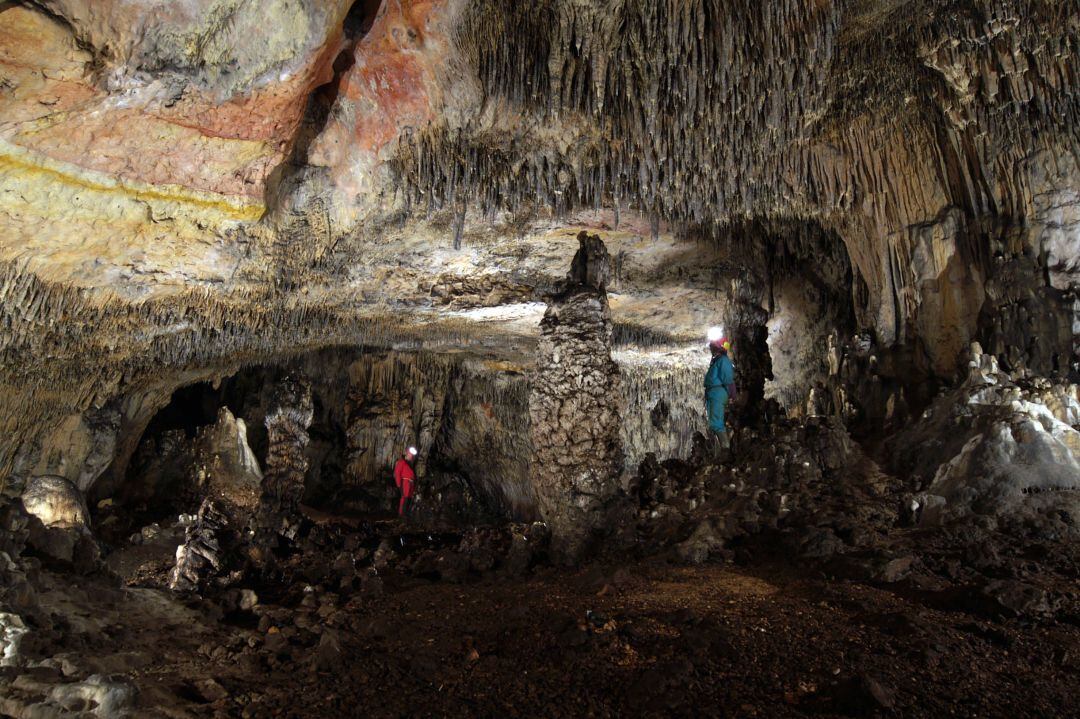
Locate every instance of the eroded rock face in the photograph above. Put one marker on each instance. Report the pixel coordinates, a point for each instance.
(287, 423)
(574, 407)
(485, 432)
(211, 91)
(998, 445)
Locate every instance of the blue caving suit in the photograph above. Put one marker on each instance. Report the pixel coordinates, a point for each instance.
(718, 380)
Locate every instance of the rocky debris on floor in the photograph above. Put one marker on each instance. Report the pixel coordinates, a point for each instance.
(859, 695)
(802, 482)
(702, 543)
(508, 550)
(98, 695)
(652, 637)
(802, 489)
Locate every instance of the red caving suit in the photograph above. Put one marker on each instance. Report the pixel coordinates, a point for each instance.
(404, 478)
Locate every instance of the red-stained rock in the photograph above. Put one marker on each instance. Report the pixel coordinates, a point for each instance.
(188, 128)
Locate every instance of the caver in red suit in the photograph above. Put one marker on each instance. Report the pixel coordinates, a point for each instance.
(405, 478)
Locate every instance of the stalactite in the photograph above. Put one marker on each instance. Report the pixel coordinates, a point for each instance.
(717, 112)
(664, 407)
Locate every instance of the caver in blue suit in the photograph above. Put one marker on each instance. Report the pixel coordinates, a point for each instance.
(719, 386)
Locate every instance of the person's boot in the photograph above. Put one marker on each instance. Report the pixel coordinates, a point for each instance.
(714, 446)
(719, 446)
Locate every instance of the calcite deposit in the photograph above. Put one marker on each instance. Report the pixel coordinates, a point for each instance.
(251, 251)
(575, 407)
(286, 463)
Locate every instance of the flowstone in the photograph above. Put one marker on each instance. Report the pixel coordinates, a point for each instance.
(999, 444)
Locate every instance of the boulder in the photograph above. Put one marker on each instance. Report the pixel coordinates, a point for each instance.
(60, 524)
(700, 545)
(57, 502)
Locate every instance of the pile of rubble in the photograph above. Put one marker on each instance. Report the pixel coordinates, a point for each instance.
(999, 445)
(803, 485)
(977, 511)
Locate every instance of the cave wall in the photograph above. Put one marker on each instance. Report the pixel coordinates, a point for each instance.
(485, 435)
(394, 401)
(185, 188)
(663, 405)
(799, 338)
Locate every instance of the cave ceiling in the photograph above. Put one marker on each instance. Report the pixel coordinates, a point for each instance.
(187, 185)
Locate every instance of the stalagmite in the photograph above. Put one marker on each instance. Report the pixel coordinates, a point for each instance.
(287, 425)
(203, 555)
(574, 408)
(227, 477)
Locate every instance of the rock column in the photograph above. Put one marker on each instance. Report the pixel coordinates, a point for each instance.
(202, 556)
(753, 365)
(574, 407)
(286, 463)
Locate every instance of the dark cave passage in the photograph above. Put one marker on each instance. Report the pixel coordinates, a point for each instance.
(367, 408)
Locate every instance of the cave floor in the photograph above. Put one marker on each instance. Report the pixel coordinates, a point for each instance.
(639, 639)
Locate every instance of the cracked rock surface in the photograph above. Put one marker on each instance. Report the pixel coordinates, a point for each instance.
(573, 407)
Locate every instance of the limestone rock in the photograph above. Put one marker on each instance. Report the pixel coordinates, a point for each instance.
(283, 481)
(62, 522)
(56, 502)
(996, 445)
(574, 409)
(226, 467)
(697, 548)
